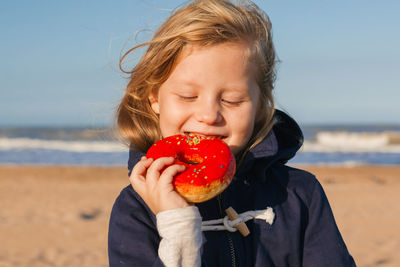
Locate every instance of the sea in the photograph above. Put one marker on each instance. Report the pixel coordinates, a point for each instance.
(323, 145)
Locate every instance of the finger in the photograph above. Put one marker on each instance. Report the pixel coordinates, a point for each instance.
(139, 186)
(141, 168)
(155, 169)
(137, 177)
(169, 173)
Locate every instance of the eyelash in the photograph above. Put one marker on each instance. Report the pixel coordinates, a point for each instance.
(230, 103)
(187, 98)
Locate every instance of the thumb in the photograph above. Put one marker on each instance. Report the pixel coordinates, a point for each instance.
(169, 173)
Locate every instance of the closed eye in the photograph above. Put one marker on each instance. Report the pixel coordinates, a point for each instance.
(187, 98)
(232, 103)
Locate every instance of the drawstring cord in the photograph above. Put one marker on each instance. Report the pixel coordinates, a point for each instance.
(231, 225)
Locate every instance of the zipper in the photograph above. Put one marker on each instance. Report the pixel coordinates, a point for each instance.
(230, 241)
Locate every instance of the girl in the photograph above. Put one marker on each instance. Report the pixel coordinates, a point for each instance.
(209, 70)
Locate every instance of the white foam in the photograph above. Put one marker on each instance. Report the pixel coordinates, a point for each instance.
(385, 142)
(349, 163)
(72, 146)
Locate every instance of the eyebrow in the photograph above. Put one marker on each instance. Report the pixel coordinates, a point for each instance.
(229, 87)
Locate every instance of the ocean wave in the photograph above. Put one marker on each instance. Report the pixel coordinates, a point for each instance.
(71, 146)
(323, 142)
(354, 142)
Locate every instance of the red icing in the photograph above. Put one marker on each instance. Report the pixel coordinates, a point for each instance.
(206, 159)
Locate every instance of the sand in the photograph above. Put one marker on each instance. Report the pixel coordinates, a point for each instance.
(58, 216)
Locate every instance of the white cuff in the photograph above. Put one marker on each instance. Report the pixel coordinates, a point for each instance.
(180, 230)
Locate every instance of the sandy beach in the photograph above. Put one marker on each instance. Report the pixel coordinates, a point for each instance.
(58, 216)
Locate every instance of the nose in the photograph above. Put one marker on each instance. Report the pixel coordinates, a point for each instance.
(209, 112)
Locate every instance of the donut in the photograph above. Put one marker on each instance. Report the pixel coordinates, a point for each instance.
(210, 164)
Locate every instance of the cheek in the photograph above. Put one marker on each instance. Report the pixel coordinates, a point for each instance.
(171, 119)
(247, 128)
(244, 126)
(173, 114)
(165, 120)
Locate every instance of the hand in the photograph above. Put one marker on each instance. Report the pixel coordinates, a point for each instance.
(154, 184)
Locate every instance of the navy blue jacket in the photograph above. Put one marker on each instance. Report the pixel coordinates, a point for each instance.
(304, 232)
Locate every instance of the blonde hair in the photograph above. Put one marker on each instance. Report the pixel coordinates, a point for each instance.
(203, 23)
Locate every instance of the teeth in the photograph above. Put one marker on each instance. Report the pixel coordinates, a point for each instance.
(206, 136)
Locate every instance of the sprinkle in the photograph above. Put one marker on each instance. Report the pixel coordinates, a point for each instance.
(193, 140)
(222, 166)
(205, 177)
(205, 157)
(179, 142)
(191, 181)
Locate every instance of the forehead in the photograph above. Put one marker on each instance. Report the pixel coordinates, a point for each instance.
(240, 50)
(230, 60)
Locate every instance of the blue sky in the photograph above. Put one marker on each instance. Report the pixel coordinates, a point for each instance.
(340, 60)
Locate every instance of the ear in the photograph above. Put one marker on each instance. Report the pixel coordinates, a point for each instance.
(153, 98)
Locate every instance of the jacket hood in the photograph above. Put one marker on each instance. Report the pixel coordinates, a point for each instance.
(280, 145)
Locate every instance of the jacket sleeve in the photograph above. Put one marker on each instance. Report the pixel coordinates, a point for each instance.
(181, 234)
(323, 243)
(133, 238)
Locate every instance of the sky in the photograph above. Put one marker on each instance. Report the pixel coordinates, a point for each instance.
(339, 60)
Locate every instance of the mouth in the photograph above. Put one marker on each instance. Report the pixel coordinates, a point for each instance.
(208, 136)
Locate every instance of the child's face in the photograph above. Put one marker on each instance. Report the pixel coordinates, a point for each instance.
(213, 92)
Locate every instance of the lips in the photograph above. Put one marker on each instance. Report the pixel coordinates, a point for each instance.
(206, 135)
